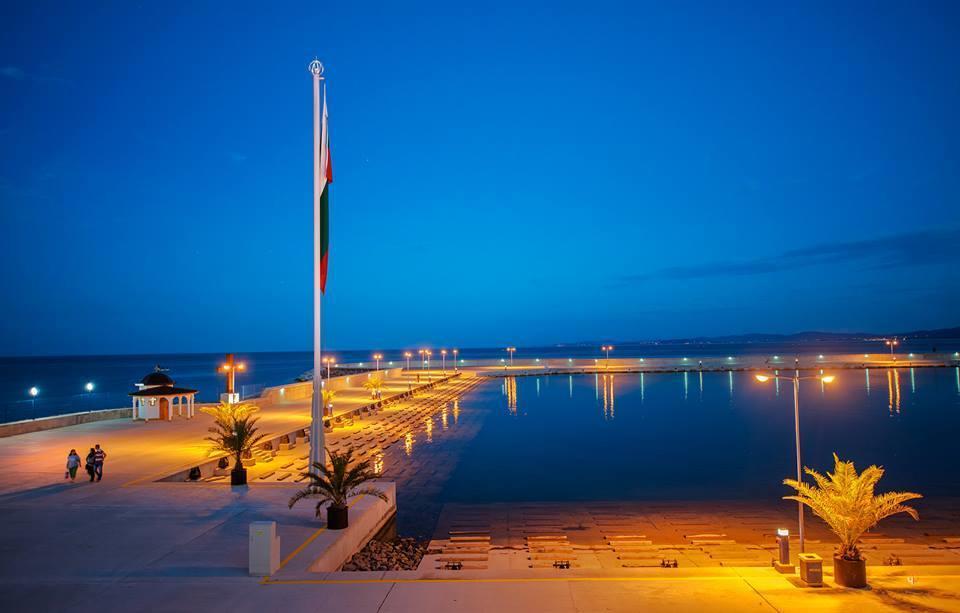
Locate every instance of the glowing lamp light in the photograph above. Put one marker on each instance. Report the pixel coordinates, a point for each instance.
(242, 366)
(225, 367)
(88, 386)
(641, 359)
(783, 532)
(828, 378)
(911, 355)
(34, 391)
(820, 357)
(762, 378)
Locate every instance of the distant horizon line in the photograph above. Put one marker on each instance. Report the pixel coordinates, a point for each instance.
(753, 337)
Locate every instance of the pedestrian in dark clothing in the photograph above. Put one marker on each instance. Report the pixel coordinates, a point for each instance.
(98, 457)
(89, 463)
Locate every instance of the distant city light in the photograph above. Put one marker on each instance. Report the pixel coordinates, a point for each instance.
(762, 378)
(88, 386)
(34, 391)
(828, 378)
(820, 357)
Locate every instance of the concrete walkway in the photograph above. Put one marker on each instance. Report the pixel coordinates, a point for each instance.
(131, 544)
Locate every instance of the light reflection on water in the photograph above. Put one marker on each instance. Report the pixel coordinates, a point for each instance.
(638, 436)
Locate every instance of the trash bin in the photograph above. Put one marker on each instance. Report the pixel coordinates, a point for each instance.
(811, 569)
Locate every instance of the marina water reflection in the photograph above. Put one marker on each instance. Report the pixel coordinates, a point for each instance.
(716, 443)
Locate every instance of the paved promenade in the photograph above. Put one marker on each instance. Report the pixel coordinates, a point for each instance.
(132, 544)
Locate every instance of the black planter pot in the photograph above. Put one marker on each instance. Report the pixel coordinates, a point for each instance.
(850, 573)
(238, 476)
(337, 517)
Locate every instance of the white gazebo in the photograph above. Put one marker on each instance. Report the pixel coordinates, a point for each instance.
(157, 396)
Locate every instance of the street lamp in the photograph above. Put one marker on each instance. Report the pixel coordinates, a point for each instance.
(230, 368)
(88, 386)
(796, 426)
(428, 354)
(407, 355)
(328, 361)
(423, 359)
(377, 357)
(455, 353)
(607, 349)
(443, 358)
(511, 351)
(891, 343)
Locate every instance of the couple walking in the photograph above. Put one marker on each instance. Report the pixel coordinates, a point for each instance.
(93, 464)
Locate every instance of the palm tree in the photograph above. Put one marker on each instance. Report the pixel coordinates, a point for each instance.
(846, 502)
(234, 431)
(327, 397)
(336, 485)
(374, 384)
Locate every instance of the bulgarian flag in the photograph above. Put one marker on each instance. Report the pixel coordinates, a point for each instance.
(323, 204)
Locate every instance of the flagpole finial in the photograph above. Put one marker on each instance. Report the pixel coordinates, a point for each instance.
(315, 68)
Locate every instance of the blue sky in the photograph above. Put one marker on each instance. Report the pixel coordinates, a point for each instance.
(518, 173)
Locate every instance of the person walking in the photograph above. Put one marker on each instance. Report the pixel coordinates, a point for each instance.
(89, 463)
(73, 464)
(98, 457)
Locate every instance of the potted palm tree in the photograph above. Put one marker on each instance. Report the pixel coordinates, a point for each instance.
(846, 502)
(327, 397)
(374, 384)
(336, 485)
(234, 431)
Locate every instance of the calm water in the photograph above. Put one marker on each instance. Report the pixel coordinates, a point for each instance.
(670, 436)
(61, 380)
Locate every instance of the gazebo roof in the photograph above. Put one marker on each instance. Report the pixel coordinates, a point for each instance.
(163, 390)
(157, 378)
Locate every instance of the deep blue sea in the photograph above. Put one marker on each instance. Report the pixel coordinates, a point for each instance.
(61, 380)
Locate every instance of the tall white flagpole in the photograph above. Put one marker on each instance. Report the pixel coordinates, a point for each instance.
(316, 406)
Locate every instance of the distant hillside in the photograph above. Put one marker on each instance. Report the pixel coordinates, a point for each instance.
(798, 337)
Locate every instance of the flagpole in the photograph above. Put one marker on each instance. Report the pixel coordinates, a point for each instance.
(316, 405)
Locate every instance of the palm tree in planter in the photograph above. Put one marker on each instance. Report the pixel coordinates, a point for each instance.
(374, 384)
(845, 500)
(234, 431)
(327, 397)
(336, 485)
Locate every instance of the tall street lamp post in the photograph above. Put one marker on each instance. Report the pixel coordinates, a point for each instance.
(796, 427)
(443, 360)
(377, 357)
(607, 349)
(407, 355)
(891, 343)
(511, 351)
(328, 361)
(230, 368)
(455, 367)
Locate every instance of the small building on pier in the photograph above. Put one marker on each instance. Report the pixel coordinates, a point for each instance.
(157, 397)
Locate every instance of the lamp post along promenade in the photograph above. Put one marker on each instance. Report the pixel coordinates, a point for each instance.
(322, 178)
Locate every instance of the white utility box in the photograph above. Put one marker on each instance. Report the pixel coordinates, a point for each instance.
(264, 548)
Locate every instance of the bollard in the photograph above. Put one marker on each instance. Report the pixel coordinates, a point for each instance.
(783, 564)
(264, 548)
